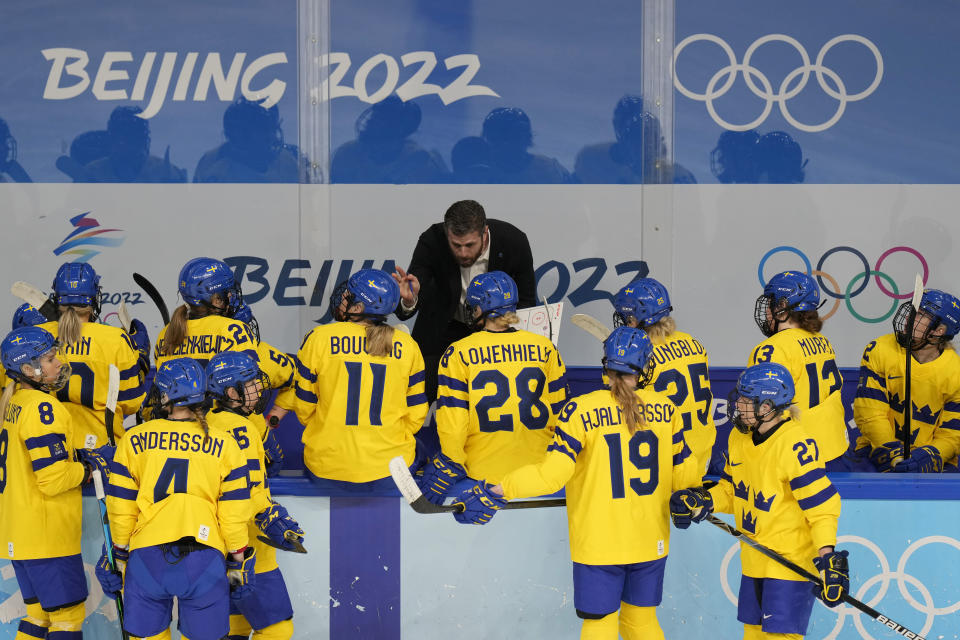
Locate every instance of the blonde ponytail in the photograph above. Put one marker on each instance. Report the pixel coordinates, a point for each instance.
(201, 417)
(176, 330)
(379, 339)
(5, 398)
(70, 325)
(631, 405)
(660, 331)
(501, 323)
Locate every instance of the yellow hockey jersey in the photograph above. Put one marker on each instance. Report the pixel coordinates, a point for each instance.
(169, 481)
(358, 411)
(812, 363)
(498, 397)
(682, 373)
(244, 431)
(85, 395)
(206, 337)
(40, 508)
(618, 484)
(780, 496)
(878, 408)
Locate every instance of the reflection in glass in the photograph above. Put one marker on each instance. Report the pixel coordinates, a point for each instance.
(636, 155)
(10, 169)
(509, 134)
(383, 151)
(746, 157)
(254, 150)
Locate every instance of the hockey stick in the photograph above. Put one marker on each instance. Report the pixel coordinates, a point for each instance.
(773, 555)
(591, 325)
(37, 299)
(546, 308)
(908, 401)
(113, 392)
(411, 491)
(124, 314)
(108, 542)
(154, 295)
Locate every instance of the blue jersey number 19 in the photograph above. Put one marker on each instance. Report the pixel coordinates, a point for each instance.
(642, 462)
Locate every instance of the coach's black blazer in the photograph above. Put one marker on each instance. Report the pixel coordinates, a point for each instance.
(439, 276)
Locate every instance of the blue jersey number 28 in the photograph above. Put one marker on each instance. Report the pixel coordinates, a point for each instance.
(531, 410)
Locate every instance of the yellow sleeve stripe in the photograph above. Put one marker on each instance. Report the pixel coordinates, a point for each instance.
(806, 479)
(121, 492)
(453, 403)
(417, 378)
(236, 494)
(817, 499)
(568, 440)
(452, 383)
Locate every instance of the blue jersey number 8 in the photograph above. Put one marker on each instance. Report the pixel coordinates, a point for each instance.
(4, 442)
(531, 410)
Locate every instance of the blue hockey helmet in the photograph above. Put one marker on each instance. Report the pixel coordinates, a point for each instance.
(942, 308)
(376, 289)
(201, 278)
(768, 382)
(629, 350)
(181, 382)
(494, 292)
(785, 292)
(26, 346)
(645, 299)
(77, 284)
(27, 315)
(233, 370)
(244, 314)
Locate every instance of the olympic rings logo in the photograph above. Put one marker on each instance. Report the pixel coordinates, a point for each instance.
(857, 284)
(886, 575)
(752, 76)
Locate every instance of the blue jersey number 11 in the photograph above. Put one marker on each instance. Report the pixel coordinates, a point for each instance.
(354, 383)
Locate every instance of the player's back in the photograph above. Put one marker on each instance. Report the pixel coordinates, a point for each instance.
(618, 494)
(177, 475)
(498, 398)
(809, 357)
(205, 338)
(367, 407)
(682, 374)
(85, 394)
(34, 447)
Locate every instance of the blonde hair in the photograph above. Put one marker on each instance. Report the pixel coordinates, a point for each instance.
(201, 417)
(631, 405)
(379, 339)
(502, 322)
(660, 330)
(5, 398)
(70, 325)
(176, 330)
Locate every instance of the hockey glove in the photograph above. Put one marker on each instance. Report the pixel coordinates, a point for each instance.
(138, 334)
(240, 574)
(111, 581)
(479, 504)
(835, 575)
(690, 505)
(439, 474)
(273, 453)
(276, 523)
(884, 456)
(922, 460)
(93, 460)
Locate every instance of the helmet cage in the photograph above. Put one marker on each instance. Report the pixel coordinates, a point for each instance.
(904, 333)
(736, 417)
(236, 405)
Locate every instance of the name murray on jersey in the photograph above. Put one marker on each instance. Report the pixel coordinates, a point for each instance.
(613, 416)
(175, 441)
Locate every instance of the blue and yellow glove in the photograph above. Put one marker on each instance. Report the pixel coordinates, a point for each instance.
(240, 573)
(273, 453)
(283, 531)
(690, 505)
(111, 582)
(479, 504)
(93, 460)
(886, 455)
(922, 460)
(439, 474)
(835, 576)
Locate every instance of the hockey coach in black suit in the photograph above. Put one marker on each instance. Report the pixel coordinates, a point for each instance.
(448, 255)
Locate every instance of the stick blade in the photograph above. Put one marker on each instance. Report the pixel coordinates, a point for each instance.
(411, 491)
(917, 292)
(124, 313)
(36, 298)
(591, 325)
(98, 484)
(296, 544)
(113, 387)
